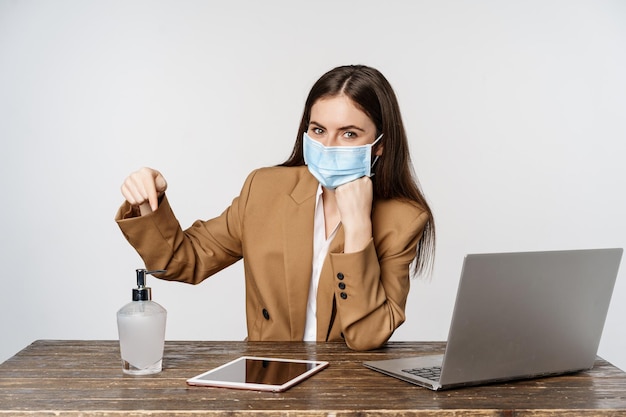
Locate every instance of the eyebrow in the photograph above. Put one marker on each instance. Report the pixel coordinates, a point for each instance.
(349, 127)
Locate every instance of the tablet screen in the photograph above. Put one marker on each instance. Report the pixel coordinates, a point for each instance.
(266, 374)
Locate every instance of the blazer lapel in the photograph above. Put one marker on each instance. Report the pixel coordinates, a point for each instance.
(298, 238)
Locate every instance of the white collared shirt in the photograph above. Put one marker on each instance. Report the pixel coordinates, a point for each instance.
(320, 250)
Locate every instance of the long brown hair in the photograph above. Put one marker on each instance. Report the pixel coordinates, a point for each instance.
(394, 175)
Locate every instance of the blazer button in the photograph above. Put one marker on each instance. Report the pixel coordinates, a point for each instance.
(266, 314)
(342, 286)
(343, 295)
(340, 276)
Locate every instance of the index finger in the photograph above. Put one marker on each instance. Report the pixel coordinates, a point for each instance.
(149, 186)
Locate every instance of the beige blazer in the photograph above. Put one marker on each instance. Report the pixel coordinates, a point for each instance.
(361, 296)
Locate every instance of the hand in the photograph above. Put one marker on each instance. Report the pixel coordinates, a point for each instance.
(354, 202)
(143, 188)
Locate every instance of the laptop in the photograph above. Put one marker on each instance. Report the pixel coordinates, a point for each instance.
(518, 316)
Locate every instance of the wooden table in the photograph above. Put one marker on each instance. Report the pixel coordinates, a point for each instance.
(84, 378)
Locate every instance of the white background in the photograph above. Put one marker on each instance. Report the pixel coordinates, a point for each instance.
(515, 110)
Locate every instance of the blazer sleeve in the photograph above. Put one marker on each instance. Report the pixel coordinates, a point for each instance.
(371, 286)
(189, 255)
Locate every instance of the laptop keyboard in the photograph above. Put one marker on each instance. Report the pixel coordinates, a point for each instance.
(432, 373)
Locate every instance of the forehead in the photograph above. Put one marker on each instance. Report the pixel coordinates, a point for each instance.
(338, 111)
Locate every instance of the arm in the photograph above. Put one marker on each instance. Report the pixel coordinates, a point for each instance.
(377, 278)
(188, 255)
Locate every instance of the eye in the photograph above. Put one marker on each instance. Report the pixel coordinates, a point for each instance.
(350, 135)
(317, 130)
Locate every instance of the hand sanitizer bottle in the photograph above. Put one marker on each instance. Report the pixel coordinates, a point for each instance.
(141, 326)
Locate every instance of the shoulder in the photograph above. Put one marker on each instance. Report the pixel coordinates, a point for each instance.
(279, 173)
(279, 180)
(398, 212)
(398, 221)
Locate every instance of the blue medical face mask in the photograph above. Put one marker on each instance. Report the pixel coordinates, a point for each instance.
(337, 165)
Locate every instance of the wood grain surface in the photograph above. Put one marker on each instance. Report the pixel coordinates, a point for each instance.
(84, 378)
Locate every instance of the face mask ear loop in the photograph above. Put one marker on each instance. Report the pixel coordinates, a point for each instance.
(372, 167)
(376, 158)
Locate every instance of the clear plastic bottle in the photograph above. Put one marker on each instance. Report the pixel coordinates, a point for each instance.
(141, 327)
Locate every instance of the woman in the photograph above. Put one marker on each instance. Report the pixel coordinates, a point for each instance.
(328, 237)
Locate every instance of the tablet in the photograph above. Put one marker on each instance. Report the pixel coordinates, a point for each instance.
(259, 374)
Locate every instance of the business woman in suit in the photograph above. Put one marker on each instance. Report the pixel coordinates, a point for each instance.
(329, 239)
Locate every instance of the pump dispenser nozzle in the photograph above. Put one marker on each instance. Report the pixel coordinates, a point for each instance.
(143, 293)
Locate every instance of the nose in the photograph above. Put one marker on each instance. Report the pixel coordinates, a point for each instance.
(330, 139)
